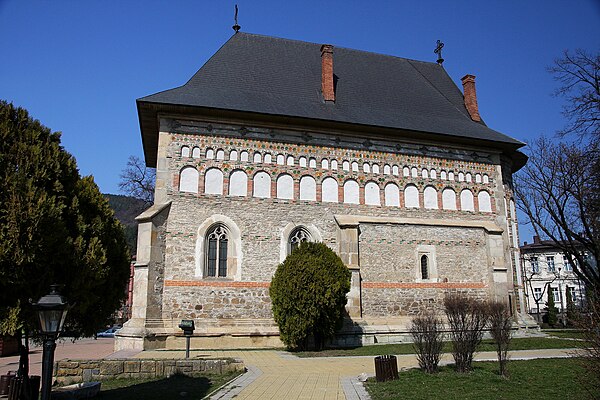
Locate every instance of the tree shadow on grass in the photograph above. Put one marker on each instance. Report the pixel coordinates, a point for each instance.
(174, 387)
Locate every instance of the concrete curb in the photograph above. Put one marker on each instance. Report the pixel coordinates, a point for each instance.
(232, 388)
(354, 389)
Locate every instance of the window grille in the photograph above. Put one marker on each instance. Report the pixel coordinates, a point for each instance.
(298, 236)
(216, 264)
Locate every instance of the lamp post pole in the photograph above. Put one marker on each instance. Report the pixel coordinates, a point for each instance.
(560, 293)
(52, 310)
(47, 365)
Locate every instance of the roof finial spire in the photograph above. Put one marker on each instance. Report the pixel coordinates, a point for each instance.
(236, 27)
(438, 51)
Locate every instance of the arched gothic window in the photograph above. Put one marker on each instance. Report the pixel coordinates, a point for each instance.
(424, 267)
(216, 256)
(298, 235)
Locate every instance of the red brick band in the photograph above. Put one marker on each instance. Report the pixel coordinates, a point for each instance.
(366, 285)
(424, 285)
(211, 283)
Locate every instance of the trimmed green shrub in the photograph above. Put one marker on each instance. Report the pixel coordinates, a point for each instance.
(308, 293)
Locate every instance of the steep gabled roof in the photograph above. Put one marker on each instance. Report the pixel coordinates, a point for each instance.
(273, 76)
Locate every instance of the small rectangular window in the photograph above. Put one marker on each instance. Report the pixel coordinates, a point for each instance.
(424, 267)
(535, 267)
(571, 290)
(556, 295)
(568, 266)
(550, 261)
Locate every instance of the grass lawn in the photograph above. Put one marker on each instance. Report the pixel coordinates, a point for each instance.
(532, 379)
(570, 334)
(173, 387)
(407, 348)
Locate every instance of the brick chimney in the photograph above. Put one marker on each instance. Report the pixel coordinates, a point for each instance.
(470, 95)
(536, 239)
(327, 72)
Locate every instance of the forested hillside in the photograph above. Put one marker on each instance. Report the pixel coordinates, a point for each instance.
(126, 209)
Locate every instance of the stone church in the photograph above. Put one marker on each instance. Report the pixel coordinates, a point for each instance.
(274, 142)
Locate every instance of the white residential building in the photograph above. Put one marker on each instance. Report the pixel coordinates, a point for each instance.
(545, 266)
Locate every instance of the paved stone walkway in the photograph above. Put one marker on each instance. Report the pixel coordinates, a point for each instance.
(81, 349)
(279, 375)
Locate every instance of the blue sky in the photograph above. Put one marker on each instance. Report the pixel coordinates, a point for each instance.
(78, 66)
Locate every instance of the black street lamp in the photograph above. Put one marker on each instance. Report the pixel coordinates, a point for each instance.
(52, 310)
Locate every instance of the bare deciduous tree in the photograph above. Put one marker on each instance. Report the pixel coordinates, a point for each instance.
(137, 180)
(501, 331)
(558, 192)
(428, 341)
(589, 321)
(559, 188)
(579, 76)
(467, 318)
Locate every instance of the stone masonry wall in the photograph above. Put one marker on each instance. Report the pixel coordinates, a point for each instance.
(75, 371)
(217, 302)
(388, 254)
(409, 301)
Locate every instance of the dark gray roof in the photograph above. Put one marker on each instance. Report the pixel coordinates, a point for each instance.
(267, 75)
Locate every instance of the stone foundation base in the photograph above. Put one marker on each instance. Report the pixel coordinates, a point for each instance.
(225, 342)
(358, 332)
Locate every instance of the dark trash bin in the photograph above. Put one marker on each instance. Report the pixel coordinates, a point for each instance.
(5, 383)
(14, 390)
(386, 368)
(16, 387)
(34, 386)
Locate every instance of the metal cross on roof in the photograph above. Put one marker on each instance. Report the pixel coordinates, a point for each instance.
(236, 27)
(438, 51)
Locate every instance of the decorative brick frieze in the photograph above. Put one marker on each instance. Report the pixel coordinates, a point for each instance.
(191, 130)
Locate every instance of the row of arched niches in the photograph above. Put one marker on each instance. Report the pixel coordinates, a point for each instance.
(377, 192)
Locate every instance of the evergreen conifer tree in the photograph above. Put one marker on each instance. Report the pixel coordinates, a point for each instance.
(308, 293)
(552, 310)
(571, 309)
(55, 228)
